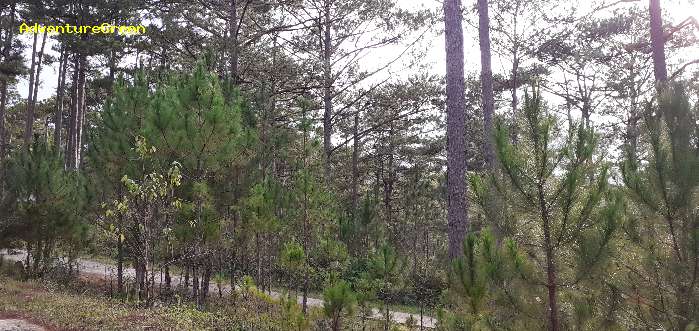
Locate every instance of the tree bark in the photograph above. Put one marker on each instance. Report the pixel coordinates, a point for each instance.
(38, 70)
(487, 98)
(168, 280)
(336, 325)
(205, 280)
(60, 90)
(233, 17)
(81, 112)
(29, 115)
(327, 89)
(195, 282)
(389, 180)
(306, 236)
(120, 259)
(632, 132)
(7, 44)
(657, 40)
(355, 164)
(187, 267)
(457, 217)
(140, 268)
(72, 125)
(550, 265)
(514, 71)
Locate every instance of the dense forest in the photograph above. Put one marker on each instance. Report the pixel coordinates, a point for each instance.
(349, 165)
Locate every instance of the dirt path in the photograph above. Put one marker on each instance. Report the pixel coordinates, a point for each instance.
(18, 325)
(94, 267)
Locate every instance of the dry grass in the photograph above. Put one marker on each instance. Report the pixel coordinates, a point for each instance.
(84, 304)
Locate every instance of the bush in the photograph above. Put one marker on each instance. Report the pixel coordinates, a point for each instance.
(45, 205)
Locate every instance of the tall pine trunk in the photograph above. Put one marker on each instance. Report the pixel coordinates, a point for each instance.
(657, 40)
(7, 44)
(72, 125)
(37, 76)
(233, 34)
(195, 281)
(487, 98)
(327, 88)
(29, 115)
(550, 265)
(120, 253)
(60, 90)
(205, 280)
(355, 164)
(306, 236)
(457, 217)
(389, 179)
(120, 263)
(81, 112)
(514, 70)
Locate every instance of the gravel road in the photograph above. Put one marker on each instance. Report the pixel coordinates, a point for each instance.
(18, 325)
(94, 267)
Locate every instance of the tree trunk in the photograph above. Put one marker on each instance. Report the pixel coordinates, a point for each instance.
(355, 164)
(306, 237)
(550, 265)
(72, 125)
(258, 261)
(81, 112)
(387, 315)
(457, 217)
(120, 262)
(168, 280)
(657, 40)
(38, 71)
(3, 101)
(205, 280)
(233, 17)
(389, 180)
(514, 70)
(336, 325)
(487, 98)
(186, 276)
(60, 90)
(632, 131)
(29, 119)
(112, 72)
(327, 90)
(7, 44)
(195, 283)
(141, 279)
(422, 315)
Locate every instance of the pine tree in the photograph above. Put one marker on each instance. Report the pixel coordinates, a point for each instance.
(187, 121)
(664, 218)
(385, 273)
(316, 208)
(260, 217)
(488, 281)
(11, 67)
(338, 300)
(191, 122)
(112, 152)
(45, 205)
(562, 215)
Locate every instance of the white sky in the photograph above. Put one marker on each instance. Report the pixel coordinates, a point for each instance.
(433, 43)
